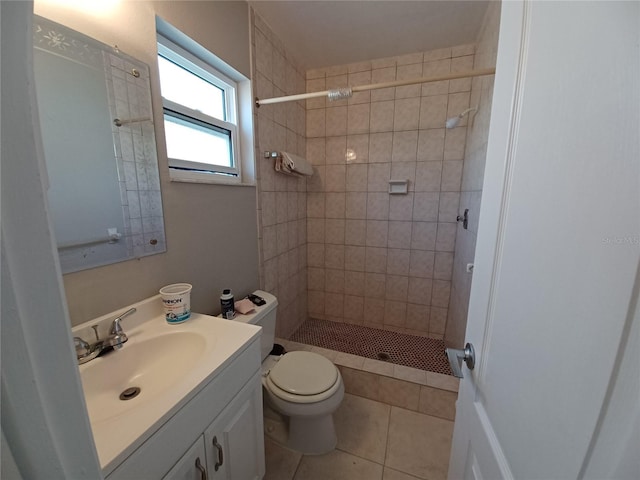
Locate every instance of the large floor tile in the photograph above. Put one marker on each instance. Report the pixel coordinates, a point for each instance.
(390, 474)
(337, 465)
(419, 444)
(362, 426)
(281, 463)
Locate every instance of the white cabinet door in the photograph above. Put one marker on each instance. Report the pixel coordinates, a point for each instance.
(234, 442)
(192, 465)
(553, 295)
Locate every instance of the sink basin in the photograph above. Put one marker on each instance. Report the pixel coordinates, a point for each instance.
(153, 365)
(168, 363)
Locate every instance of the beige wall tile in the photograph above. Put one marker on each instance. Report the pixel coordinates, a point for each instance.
(356, 205)
(378, 177)
(401, 207)
(448, 207)
(439, 403)
(417, 317)
(442, 382)
(354, 308)
(334, 256)
(373, 313)
(354, 258)
(335, 205)
(360, 383)
(356, 178)
(335, 178)
(440, 293)
(336, 121)
(376, 260)
(354, 283)
(423, 235)
(381, 145)
(422, 263)
(406, 114)
(358, 118)
(359, 146)
(428, 176)
(396, 287)
(425, 206)
(405, 146)
(431, 145)
(378, 367)
(336, 148)
(419, 292)
(399, 232)
(334, 280)
(399, 393)
(446, 238)
(409, 374)
(355, 232)
(375, 285)
(433, 112)
(397, 261)
(378, 206)
(377, 232)
(395, 315)
(382, 114)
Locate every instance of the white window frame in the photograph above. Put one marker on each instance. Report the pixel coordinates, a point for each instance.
(185, 170)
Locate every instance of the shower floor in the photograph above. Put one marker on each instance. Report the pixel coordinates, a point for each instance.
(399, 348)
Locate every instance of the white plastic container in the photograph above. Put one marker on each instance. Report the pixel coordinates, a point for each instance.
(176, 299)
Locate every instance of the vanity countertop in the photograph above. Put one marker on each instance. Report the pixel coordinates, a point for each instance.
(169, 363)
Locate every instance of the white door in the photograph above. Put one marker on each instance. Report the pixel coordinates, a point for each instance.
(552, 300)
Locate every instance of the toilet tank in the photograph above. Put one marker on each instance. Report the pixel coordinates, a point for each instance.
(265, 317)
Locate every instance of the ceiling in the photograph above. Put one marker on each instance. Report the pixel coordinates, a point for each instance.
(324, 33)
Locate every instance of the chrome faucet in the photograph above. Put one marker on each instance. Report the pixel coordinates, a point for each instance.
(86, 352)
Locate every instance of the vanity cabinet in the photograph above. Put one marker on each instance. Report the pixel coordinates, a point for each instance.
(217, 434)
(231, 447)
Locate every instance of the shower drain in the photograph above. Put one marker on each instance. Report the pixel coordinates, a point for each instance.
(384, 356)
(129, 393)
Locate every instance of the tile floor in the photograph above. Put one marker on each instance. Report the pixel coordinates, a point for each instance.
(376, 441)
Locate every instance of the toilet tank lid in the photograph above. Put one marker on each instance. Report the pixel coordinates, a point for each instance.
(260, 311)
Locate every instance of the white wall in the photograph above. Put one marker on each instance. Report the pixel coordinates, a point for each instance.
(199, 250)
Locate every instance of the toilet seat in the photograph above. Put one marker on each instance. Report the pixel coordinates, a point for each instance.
(303, 377)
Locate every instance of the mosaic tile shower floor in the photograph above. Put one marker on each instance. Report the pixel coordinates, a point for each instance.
(402, 349)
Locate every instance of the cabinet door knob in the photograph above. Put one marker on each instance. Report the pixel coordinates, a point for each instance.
(220, 454)
(203, 471)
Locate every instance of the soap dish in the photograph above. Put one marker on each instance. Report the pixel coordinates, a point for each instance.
(398, 187)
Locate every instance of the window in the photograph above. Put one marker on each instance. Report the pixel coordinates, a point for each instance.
(200, 114)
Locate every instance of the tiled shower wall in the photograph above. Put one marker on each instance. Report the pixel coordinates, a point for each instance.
(473, 176)
(281, 199)
(377, 259)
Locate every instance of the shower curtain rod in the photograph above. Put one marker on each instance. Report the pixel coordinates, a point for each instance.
(341, 93)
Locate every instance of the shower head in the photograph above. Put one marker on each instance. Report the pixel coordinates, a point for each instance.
(453, 122)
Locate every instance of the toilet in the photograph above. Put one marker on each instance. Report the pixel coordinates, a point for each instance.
(303, 386)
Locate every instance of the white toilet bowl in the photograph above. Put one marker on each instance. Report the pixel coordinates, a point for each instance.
(307, 388)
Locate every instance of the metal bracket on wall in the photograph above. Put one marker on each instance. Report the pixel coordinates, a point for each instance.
(464, 218)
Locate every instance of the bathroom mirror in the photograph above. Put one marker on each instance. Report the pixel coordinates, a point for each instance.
(96, 120)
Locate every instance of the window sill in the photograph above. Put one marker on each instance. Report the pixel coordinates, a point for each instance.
(208, 178)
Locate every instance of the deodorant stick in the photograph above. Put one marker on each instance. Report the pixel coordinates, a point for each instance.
(227, 304)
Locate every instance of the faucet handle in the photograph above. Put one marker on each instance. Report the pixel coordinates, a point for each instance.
(116, 328)
(82, 348)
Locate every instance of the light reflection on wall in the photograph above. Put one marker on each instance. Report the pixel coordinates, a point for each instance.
(91, 7)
